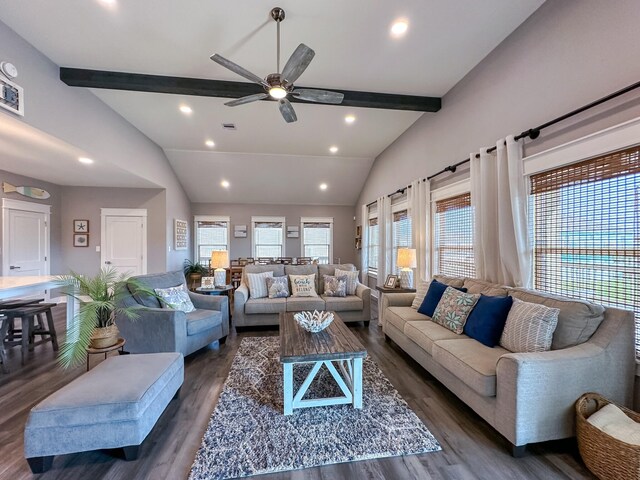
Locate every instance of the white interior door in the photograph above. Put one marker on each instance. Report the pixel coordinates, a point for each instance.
(26, 242)
(124, 243)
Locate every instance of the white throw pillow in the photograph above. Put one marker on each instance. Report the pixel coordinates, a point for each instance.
(352, 279)
(529, 327)
(258, 284)
(175, 297)
(613, 421)
(421, 292)
(303, 285)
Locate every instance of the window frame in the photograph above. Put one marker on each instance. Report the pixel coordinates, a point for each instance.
(209, 218)
(373, 214)
(268, 219)
(328, 220)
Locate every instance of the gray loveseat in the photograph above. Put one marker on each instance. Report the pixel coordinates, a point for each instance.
(167, 330)
(527, 397)
(265, 311)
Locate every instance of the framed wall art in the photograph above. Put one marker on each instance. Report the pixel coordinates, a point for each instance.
(81, 226)
(180, 234)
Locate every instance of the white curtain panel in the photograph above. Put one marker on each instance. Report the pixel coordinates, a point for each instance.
(364, 243)
(418, 199)
(498, 195)
(385, 247)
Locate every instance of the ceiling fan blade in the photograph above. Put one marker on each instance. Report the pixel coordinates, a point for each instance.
(298, 63)
(321, 96)
(287, 111)
(247, 99)
(235, 68)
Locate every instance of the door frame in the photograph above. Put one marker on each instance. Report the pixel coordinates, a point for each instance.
(123, 212)
(11, 204)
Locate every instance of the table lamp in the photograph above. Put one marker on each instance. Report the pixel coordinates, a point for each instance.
(407, 262)
(219, 261)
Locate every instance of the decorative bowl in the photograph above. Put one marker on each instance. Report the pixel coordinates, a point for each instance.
(315, 321)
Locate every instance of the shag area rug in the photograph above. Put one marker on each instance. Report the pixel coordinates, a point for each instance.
(249, 435)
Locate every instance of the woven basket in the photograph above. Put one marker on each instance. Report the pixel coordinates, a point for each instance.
(607, 457)
(105, 337)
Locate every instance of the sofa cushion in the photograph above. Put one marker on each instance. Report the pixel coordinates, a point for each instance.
(577, 320)
(200, 320)
(473, 363)
(176, 298)
(335, 286)
(303, 285)
(257, 283)
(487, 319)
(450, 281)
(350, 303)
(330, 269)
(153, 281)
(398, 316)
(265, 305)
(421, 290)
(278, 271)
(299, 304)
(278, 287)
(424, 334)
(352, 280)
(433, 296)
(301, 270)
(529, 327)
(454, 308)
(474, 285)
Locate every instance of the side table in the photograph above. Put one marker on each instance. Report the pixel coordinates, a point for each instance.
(384, 290)
(226, 290)
(106, 350)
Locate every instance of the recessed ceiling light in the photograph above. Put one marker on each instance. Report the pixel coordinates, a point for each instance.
(333, 149)
(85, 160)
(210, 143)
(225, 184)
(323, 186)
(399, 28)
(108, 3)
(186, 109)
(350, 119)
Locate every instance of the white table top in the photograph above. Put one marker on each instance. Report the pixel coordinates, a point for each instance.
(7, 283)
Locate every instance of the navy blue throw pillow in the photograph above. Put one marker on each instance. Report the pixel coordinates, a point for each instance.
(433, 296)
(487, 319)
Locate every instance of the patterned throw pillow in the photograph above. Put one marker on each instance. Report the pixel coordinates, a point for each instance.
(258, 284)
(175, 297)
(335, 286)
(454, 309)
(303, 285)
(278, 287)
(529, 327)
(352, 279)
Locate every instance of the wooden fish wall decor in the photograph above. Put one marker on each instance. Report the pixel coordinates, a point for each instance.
(32, 192)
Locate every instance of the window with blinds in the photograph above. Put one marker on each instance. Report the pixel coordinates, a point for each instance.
(401, 233)
(586, 231)
(268, 239)
(210, 236)
(316, 241)
(374, 241)
(453, 237)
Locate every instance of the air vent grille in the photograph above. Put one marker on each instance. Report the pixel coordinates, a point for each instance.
(229, 126)
(11, 97)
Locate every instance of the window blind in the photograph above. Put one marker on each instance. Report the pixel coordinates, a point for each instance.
(210, 236)
(268, 239)
(316, 239)
(401, 233)
(586, 231)
(374, 240)
(453, 237)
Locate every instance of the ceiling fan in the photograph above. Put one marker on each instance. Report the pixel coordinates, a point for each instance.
(280, 85)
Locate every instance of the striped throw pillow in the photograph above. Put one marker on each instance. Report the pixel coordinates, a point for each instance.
(352, 279)
(529, 327)
(421, 292)
(258, 284)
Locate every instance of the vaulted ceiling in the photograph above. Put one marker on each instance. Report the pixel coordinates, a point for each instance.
(354, 51)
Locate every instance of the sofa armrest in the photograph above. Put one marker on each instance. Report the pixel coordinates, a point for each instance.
(210, 302)
(154, 330)
(362, 290)
(397, 299)
(240, 297)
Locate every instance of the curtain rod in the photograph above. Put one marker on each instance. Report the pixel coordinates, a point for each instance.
(532, 133)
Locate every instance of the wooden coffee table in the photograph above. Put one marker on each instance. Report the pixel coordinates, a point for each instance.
(334, 346)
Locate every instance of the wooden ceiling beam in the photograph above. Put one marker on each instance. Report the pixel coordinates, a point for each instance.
(78, 77)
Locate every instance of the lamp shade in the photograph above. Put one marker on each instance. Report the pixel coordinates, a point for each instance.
(406, 258)
(219, 259)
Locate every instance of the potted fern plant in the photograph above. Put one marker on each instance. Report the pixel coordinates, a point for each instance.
(94, 324)
(193, 272)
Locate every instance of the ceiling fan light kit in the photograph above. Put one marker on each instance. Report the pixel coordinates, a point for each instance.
(280, 85)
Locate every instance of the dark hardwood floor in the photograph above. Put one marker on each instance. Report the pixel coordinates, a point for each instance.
(471, 449)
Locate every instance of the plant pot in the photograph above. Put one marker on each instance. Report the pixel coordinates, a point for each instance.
(194, 280)
(105, 337)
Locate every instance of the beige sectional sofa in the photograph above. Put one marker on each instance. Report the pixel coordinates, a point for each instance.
(527, 397)
(265, 311)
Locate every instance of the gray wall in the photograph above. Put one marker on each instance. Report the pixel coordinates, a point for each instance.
(567, 54)
(343, 225)
(79, 118)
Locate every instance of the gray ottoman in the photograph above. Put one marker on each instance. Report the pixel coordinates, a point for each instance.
(114, 405)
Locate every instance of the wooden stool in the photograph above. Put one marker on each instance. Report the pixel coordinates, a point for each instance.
(28, 330)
